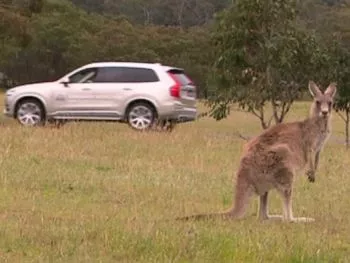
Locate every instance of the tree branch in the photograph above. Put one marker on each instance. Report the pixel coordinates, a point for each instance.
(239, 135)
(270, 121)
(341, 116)
(260, 116)
(285, 109)
(255, 114)
(289, 106)
(275, 111)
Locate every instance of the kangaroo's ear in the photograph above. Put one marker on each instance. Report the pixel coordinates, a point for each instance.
(314, 90)
(331, 90)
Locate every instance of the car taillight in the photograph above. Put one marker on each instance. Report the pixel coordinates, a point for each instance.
(175, 89)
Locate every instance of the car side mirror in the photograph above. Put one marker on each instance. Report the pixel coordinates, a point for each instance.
(65, 82)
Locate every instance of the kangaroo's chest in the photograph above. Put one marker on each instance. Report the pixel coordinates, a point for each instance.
(321, 139)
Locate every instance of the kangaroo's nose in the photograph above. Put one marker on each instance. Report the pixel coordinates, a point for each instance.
(324, 113)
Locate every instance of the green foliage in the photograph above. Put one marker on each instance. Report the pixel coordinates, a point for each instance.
(334, 39)
(261, 57)
(35, 6)
(159, 12)
(339, 69)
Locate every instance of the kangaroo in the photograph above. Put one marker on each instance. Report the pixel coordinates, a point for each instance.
(272, 159)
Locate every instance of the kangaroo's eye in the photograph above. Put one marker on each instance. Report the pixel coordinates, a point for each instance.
(330, 104)
(318, 103)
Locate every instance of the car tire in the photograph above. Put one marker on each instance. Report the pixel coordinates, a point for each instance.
(30, 112)
(141, 116)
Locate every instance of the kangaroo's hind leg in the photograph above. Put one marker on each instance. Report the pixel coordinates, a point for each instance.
(284, 178)
(263, 209)
(243, 193)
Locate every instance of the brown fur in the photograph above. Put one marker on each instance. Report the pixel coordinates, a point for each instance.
(271, 160)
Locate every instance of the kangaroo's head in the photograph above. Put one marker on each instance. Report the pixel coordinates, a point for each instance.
(323, 101)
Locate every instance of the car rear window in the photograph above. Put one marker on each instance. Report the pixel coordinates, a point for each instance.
(181, 77)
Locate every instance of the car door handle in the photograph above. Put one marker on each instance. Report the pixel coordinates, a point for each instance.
(127, 89)
(86, 89)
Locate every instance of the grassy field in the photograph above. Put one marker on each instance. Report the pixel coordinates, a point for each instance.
(100, 192)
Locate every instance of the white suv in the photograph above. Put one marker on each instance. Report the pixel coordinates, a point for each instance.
(137, 93)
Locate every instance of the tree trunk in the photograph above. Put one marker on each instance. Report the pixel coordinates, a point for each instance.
(347, 120)
(263, 124)
(284, 108)
(261, 117)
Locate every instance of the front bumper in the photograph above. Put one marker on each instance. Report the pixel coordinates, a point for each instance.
(8, 111)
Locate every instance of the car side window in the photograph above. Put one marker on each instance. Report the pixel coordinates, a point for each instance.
(125, 75)
(84, 76)
(135, 75)
(107, 74)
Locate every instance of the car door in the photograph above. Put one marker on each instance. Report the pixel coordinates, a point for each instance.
(133, 82)
(107, 91)
(91, 92)
(113, 86)
(76, 96)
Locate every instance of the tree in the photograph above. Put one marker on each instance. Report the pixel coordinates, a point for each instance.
(14, 33)
(339, 58)
(261, 59)
(334, 64)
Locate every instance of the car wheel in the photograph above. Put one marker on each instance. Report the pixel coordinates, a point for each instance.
(141, 116)
(30, 113)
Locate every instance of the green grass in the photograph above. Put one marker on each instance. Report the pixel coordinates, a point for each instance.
(100, 192)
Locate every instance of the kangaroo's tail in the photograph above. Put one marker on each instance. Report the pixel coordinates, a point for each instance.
(220, 215)
(243, 194)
